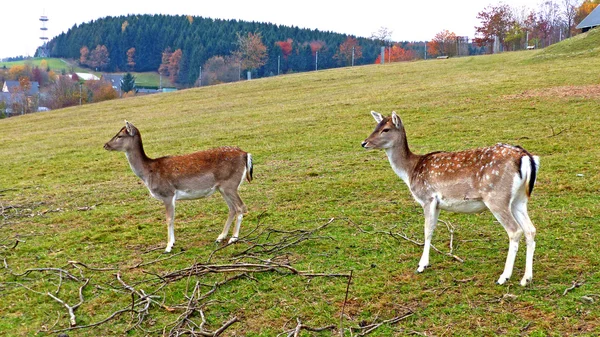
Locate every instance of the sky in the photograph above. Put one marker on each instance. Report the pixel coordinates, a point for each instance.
(415, 20)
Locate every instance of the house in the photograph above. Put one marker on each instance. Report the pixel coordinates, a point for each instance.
(87, 77)
(14, 101)
(5, 103)
(590, 21)
(115, 80)
(12, 87)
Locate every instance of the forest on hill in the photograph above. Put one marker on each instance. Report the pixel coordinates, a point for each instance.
(142, 42)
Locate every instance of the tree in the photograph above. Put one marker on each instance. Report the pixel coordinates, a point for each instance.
(44, 65)
(348, 52)
(131, 58)
(316, 45)
(64, 93)
(443, 43)
(569, 13)
(286, 47)
(495, 24)
(99, 57)
(175, 65)
(98, 91)
(251, 51)
(383, 35)
(219, 69)
(128, 83)
(397, 54)
(84, 53)
(166, 59)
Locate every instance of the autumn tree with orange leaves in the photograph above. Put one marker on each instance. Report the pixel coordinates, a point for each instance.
(171, 63)
(251, 51)
(85, 53)
(286, 47)
(348, 52)
(131, 58)
(397, 54)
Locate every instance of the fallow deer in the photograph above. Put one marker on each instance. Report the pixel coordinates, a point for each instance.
(190, 176)
(499, 178)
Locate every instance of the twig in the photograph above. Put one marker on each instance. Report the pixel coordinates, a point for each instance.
(372, 327)
(259, 218)
(142, 264)
(202, 269)
(71, 309)
(17, 241)
(405, 237)
(554, 134)
(299, 327)
(344, 305)
(288, 241)
(58, 270)
(75, 263)
(575, 284)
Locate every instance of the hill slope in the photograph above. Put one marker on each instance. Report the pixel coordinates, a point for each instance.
(66, 199)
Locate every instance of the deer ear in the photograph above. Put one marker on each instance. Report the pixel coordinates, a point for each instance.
(378, 117)
(396, 120)
(131, 130)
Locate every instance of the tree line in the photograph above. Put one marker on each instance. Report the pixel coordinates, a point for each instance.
(139, 43)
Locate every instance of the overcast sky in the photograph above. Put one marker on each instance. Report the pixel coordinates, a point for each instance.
(415, 20)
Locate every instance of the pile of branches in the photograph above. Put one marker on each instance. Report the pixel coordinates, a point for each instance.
(263, 255)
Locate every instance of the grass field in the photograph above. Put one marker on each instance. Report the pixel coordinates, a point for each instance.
(69, 204)
(147, 79)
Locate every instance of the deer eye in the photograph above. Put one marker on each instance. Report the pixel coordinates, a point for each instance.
(385, 130)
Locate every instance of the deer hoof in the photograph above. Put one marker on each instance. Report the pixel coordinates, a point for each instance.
(232, 240)
(525, 281)
(422, 269)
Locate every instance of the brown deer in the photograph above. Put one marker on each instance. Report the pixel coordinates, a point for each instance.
(499, 178)
(190, 176)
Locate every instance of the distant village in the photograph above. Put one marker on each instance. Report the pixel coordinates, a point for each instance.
(19, 97)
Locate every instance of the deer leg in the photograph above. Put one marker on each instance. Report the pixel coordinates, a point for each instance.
(431, 218)
(170, 210)
(230, 199)
(240, 209)
(519, 210)
(225, 231)
(514, 231)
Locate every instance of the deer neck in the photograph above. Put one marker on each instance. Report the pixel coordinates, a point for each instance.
(138, 161)
(402, 160)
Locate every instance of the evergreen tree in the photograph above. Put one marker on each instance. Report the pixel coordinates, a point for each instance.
(128, 83)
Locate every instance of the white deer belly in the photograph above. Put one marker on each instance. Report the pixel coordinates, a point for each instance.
(461, 205)
(194, 194)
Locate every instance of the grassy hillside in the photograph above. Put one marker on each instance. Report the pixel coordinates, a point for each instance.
(69, 204)
(147, 79)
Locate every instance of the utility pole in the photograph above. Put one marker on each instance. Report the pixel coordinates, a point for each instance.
(278, 64)
(200, 77)
(353, 56)
(317, 60)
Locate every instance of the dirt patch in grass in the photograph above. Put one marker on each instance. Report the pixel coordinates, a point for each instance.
(578, 91)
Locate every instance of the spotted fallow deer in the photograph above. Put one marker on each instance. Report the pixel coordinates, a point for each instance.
(191, 176)
(499, 178)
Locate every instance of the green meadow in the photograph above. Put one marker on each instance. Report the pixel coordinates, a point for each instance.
(78, 226)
